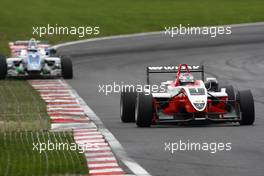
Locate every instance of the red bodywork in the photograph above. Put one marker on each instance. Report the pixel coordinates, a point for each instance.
(182, 104)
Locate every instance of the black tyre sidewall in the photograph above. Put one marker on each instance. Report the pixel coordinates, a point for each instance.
(127, 106)
(66, 67)
(247, 107)
(3, 67)
(144, 110)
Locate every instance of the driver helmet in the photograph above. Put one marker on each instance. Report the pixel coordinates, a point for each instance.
(186, 78)
(32, 48)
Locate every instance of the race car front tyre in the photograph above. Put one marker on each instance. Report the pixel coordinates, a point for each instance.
(3, 67)
(247, 108)
(127, 106)
(66, 67)
(144, 110)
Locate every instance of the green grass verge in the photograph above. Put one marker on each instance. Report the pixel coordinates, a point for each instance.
(21, 107)
(19, 157)
(120, 16)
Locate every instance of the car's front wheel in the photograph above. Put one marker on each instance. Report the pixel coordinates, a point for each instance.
(246, 104)
(127, 106)
(66, 67)
(144, 110)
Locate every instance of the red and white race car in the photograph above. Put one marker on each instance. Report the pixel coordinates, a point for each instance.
(187, 100)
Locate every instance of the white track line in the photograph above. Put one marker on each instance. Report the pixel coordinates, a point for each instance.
(105, 38)
(140, 34)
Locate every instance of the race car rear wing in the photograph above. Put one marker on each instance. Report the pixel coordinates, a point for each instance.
(19, 45)
(174, 69)
(26, 42)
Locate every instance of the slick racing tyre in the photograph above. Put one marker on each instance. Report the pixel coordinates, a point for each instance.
(3, 67)
(66, 67)
(144, 110)
(231, 96)
(127, 105)
(246, 103)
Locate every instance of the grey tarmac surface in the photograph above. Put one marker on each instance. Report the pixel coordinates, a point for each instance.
(236, 59)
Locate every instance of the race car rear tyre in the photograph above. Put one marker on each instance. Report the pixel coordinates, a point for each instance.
(231, 96)
(3, 67)
(246, 102)
(66, 67)
(127, 106)
(144, 110)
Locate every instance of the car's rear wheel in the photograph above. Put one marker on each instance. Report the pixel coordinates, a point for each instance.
(127, 105)
(3, 67)
(144, 110)
(66, 67)
(246, 103)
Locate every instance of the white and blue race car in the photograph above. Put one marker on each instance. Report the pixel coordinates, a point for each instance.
(33, 58)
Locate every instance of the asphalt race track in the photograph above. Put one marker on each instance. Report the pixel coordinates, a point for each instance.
(237, 59)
